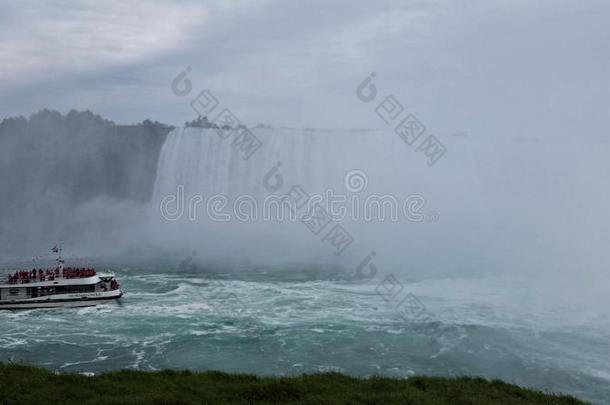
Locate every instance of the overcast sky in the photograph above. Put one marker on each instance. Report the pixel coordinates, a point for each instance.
(538, 67)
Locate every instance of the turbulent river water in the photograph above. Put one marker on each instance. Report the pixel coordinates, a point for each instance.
(520, 330)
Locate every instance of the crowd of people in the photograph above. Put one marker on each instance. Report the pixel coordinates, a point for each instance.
(30, 276)
(69, 272)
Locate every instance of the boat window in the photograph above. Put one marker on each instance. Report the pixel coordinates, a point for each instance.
(69, 289)
(13, 291)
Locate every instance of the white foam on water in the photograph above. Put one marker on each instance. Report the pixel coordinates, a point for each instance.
(189, 325)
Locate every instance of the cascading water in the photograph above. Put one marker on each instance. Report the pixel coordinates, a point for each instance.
(490, 204)
(424, 206)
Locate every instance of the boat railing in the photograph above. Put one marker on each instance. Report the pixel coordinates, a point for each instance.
(40, 275)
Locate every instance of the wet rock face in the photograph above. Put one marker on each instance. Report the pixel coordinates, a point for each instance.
(52, 163)
(79, 155)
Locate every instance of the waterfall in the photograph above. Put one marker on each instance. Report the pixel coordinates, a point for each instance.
(490, 203)
(203, 163)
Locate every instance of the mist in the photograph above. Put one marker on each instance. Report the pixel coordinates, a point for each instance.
(518, 205)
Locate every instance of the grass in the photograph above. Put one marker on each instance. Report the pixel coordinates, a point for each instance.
(21, 384)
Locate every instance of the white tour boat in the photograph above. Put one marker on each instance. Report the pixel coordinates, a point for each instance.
(57, 287)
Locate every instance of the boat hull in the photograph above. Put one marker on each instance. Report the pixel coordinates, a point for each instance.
(63, 302)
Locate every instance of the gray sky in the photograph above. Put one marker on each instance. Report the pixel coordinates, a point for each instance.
(484, 67)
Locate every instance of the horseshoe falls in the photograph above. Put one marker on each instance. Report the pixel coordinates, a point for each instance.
(486, 207)
(385, 194)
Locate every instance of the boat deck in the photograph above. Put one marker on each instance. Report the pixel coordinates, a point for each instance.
(49, 277)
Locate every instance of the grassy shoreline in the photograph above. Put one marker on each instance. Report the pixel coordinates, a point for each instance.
(21, 384)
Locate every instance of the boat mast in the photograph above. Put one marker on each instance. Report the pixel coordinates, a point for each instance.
(59, 260)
